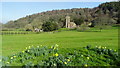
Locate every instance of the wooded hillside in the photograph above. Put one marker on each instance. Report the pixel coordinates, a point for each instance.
(109, 10)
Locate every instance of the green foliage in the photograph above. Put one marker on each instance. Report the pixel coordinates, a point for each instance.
(50, 26)
(29, 27)
(104, 22)
(83, 28)
(50, 56)
(111, 6)
(78, 21)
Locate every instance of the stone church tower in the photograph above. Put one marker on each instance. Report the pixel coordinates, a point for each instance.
(67, 21)
(69, 24)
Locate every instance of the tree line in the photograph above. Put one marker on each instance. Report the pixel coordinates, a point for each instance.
(104, 14)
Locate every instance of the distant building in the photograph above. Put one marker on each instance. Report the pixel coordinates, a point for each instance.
(69, 24)
(72, 24)
(38, 30)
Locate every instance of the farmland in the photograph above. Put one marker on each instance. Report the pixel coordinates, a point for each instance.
(15, 43)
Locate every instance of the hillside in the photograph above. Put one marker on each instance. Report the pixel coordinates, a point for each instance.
(109, 9)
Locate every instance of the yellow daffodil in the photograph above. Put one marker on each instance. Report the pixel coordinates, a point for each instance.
(87, 57)
(28, 50)
(99, 47)
(56, 54)
(7, 62)
(23, 51)
(54, 48)
(14, 56)
(54, 64)
(11, 58)
(85, 65)
(65, 62)
(68, 60)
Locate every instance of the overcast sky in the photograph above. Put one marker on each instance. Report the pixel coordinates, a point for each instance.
(14, 10)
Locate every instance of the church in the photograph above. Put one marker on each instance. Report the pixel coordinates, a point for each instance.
(69, 24)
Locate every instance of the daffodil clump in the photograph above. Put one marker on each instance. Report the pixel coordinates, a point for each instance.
(51, 56)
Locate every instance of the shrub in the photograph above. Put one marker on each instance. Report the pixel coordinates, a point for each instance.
(50, 26)
(83, 28)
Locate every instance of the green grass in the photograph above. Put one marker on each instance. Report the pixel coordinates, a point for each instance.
(65, 39)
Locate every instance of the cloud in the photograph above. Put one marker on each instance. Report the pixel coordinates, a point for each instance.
(57, 0)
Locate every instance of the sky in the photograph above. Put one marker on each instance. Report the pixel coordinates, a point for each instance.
(15, 10)
(57, 0)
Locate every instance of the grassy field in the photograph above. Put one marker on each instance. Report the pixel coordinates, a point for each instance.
(65, 39)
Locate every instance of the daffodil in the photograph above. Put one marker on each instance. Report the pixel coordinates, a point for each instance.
(28, 50)
(11, 58)
(38, 46)
(87, 57)
(56, 54)
(54, 48)
(68, 60)
(99, 47)
(85, 65)
(54, 64)
(23, 51)
(14, 56)
(65, 62)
